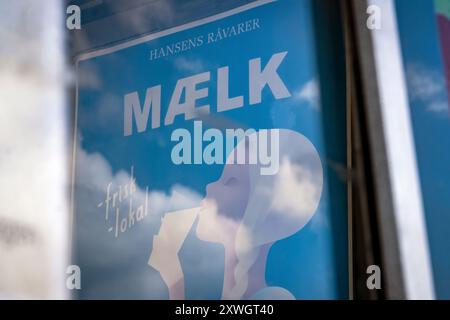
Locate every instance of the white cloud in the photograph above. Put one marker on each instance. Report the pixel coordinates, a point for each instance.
(295, 179)
(310, 93)
(429, 87)
(122, 272)
(150, 14)
(438, 106)
(189, 65)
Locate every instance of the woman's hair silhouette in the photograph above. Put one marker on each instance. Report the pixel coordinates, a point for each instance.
(247, 211)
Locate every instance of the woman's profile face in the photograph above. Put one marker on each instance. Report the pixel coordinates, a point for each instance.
(225, 203)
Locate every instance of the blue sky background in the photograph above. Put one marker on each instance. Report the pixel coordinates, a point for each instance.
(306, 263)
(430, 118)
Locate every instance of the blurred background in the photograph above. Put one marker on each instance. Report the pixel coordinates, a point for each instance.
(384, 77)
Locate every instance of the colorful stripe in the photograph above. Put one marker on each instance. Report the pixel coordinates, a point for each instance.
(443, 7)
(443, 20)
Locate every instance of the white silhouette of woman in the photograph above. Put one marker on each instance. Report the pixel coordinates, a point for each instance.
(247, 212)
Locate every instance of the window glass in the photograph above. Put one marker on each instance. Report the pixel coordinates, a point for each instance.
(207, 157)
(422, 26)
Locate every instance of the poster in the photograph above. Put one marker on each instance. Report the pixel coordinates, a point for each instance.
(200, 163)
